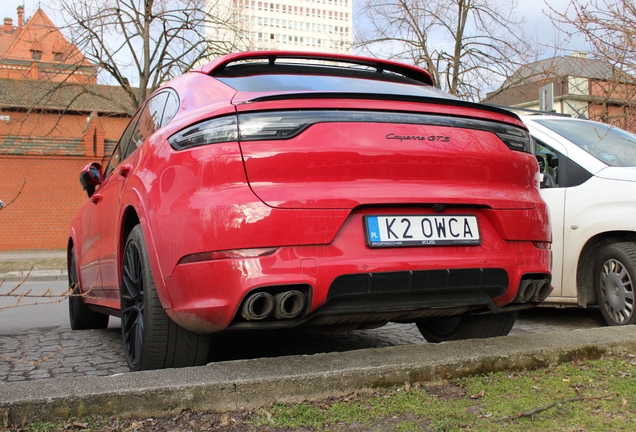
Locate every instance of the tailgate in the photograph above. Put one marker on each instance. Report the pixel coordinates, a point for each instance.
(343, 159)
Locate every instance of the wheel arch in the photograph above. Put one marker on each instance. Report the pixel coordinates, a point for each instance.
(587, 262)
(132, 216)
(129, 220)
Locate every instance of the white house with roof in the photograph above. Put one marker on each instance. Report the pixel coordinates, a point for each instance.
(576, 85)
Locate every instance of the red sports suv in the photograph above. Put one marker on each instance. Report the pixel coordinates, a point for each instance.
(269, 190)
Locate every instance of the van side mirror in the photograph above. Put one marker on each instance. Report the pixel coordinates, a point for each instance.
(90, 177)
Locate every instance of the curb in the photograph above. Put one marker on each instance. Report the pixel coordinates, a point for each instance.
(249, 384)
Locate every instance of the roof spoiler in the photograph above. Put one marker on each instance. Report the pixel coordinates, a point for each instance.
(380, 66)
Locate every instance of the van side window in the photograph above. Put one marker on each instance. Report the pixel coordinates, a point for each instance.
(548, 160)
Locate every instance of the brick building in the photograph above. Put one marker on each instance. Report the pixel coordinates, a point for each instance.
(54, 120)
(580, 86)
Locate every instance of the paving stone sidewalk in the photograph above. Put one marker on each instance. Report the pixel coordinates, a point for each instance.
(69, 353)
(61, 354)
(55, 354)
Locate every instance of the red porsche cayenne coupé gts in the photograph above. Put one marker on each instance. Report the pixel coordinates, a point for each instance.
(270, 190)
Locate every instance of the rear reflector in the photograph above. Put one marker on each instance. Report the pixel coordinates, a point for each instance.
(542, 245)
(236, 253)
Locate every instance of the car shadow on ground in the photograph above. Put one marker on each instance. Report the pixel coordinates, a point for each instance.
(303, 342)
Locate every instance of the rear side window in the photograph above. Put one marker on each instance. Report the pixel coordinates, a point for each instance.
(172, 106)
(120, 153)
(149, 121)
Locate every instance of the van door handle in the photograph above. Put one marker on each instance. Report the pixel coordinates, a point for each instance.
(96, 198)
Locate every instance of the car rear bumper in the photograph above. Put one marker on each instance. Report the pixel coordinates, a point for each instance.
(346, 281)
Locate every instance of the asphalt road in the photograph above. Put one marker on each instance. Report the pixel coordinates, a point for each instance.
(36, 341)
(46, 313)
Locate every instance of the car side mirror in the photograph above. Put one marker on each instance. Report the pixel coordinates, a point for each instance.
(90, 177)
(547, 181)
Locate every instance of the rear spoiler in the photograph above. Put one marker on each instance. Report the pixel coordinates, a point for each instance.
(380, 66)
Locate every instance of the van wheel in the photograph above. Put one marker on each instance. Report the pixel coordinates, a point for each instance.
(81, 317)
(614, 278)
(151, 339)
(467, 327)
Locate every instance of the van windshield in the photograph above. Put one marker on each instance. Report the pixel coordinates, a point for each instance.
(609, 144)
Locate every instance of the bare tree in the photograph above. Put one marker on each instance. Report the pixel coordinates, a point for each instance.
(142, 43)
(467, 45)
(609, 26)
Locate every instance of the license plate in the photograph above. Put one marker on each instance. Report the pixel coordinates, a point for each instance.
(421, 230)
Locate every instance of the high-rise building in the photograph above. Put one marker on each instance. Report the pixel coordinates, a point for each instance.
(301, 25)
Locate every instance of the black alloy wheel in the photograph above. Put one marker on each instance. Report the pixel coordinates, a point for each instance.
(81, 317)
(151, 339)
(132, 304)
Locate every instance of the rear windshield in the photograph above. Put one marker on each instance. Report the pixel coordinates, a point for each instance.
(607, 143)
(285, 83)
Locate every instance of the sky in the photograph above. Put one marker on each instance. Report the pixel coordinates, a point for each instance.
(536, 22)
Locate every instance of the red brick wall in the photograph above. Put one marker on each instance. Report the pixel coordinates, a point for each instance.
(46, 153)
(622, 116)
(40, 217)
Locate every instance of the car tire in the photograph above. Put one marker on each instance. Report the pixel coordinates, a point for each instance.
(81, 317)
(467, 327)
(151, 339)
(614, 279)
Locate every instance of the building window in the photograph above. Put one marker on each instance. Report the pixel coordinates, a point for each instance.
(36, 55)
(58, 56)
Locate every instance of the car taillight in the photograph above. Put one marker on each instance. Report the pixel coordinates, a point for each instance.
(218, 130)
(542, 245)
(515, 139)
(275, 125)
(280, 125)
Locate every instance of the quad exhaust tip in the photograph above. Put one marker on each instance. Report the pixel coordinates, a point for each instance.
(543, 290)
(527, 290)
(289, 304)
(284, 305)
(257, 306)
(535, 291)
